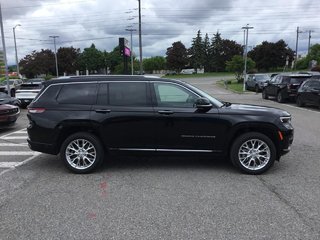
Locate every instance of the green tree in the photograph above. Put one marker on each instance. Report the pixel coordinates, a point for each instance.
(38, 63)
(197, 52)
(221, 51)
(91, 59)
(314, 53)
(236, 65)
(270, 55)
(113, 59)
(154, 63)
(206, 49)
(176, 56)
(67, 59)
(215, 52)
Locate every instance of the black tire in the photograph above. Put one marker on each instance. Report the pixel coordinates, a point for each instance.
(258, 137)
(13, 92)
(87, 140)
(257, 89)
(246, 87)
(280, 98)
(300, 103)
(265, 94)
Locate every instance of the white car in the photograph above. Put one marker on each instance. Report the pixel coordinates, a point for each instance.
(28, 92)
(14, 85)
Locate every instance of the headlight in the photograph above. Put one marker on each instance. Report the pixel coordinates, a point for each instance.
(286, 121)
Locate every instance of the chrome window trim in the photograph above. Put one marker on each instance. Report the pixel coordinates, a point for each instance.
(165, 150)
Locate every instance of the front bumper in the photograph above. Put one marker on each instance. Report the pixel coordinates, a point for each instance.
(286, 142)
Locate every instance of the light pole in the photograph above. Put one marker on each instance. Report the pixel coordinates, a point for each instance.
(55, 53)
(4, 53)
(140, 41)
(131, 55)
(246, 57)
(310, 31)
(15, 47)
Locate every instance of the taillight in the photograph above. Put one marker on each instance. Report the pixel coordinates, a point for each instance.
(36, 110)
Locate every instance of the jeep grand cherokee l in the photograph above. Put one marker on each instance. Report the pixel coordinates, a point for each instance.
(82, 118)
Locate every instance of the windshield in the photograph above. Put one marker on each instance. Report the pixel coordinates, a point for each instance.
(5, 82)
(206, 95)
(262, 77)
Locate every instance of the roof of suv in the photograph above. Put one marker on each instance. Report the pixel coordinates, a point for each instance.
(98, 78)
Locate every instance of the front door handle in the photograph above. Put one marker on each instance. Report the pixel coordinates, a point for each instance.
(165, 112)
(102, 110)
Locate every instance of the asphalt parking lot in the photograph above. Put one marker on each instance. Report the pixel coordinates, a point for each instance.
(163, 198)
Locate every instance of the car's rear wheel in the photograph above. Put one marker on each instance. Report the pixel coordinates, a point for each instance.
(82, 152)
(300, 102)
(280, 98)
(264, 94)
(253, 153)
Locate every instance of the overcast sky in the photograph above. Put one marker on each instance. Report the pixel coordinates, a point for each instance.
(79, 23)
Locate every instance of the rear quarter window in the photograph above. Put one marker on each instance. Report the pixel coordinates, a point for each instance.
(48, 95)
(78, 93)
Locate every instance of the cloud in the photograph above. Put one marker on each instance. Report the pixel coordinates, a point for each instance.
(79, 23)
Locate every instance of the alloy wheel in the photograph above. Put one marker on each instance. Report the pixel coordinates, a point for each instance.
(254, 154)
(80, 154)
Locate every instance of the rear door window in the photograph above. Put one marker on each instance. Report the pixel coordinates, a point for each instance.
(294, 80)
(127, 94)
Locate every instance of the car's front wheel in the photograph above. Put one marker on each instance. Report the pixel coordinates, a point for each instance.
(300, 102)
(82, 152)
(265, 94)
(253, 153)
(280, 98)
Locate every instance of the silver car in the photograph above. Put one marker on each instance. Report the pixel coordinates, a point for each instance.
(256, 82)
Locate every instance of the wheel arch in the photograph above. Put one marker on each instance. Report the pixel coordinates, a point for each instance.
(67, 128)
(268, 130)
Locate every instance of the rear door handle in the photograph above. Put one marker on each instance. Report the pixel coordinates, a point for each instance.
(102, 110)
(165, 112)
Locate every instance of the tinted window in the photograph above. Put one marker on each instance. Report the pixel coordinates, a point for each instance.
(128, 94)
(315, 84)
(285, 79)
(297, 80)
(48, 95)
(171, 95)
(262, 77)
(77, 94)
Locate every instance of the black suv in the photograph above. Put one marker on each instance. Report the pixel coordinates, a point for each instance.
(82, 118)
(284, 87)
(309, 92)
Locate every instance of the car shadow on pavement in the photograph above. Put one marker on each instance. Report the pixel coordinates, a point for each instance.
(115, 163)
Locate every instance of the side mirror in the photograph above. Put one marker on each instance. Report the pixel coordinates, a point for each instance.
(203, 104)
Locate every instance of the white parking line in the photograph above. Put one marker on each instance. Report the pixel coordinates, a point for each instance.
(12, 138)
(8, 164)
(13, 144)
(19, 164)
(18, 153)
(12, 133)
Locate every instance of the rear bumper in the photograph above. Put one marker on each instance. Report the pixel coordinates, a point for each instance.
(42, 147)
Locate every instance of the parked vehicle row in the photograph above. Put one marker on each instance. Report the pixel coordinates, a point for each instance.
(304, 89)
